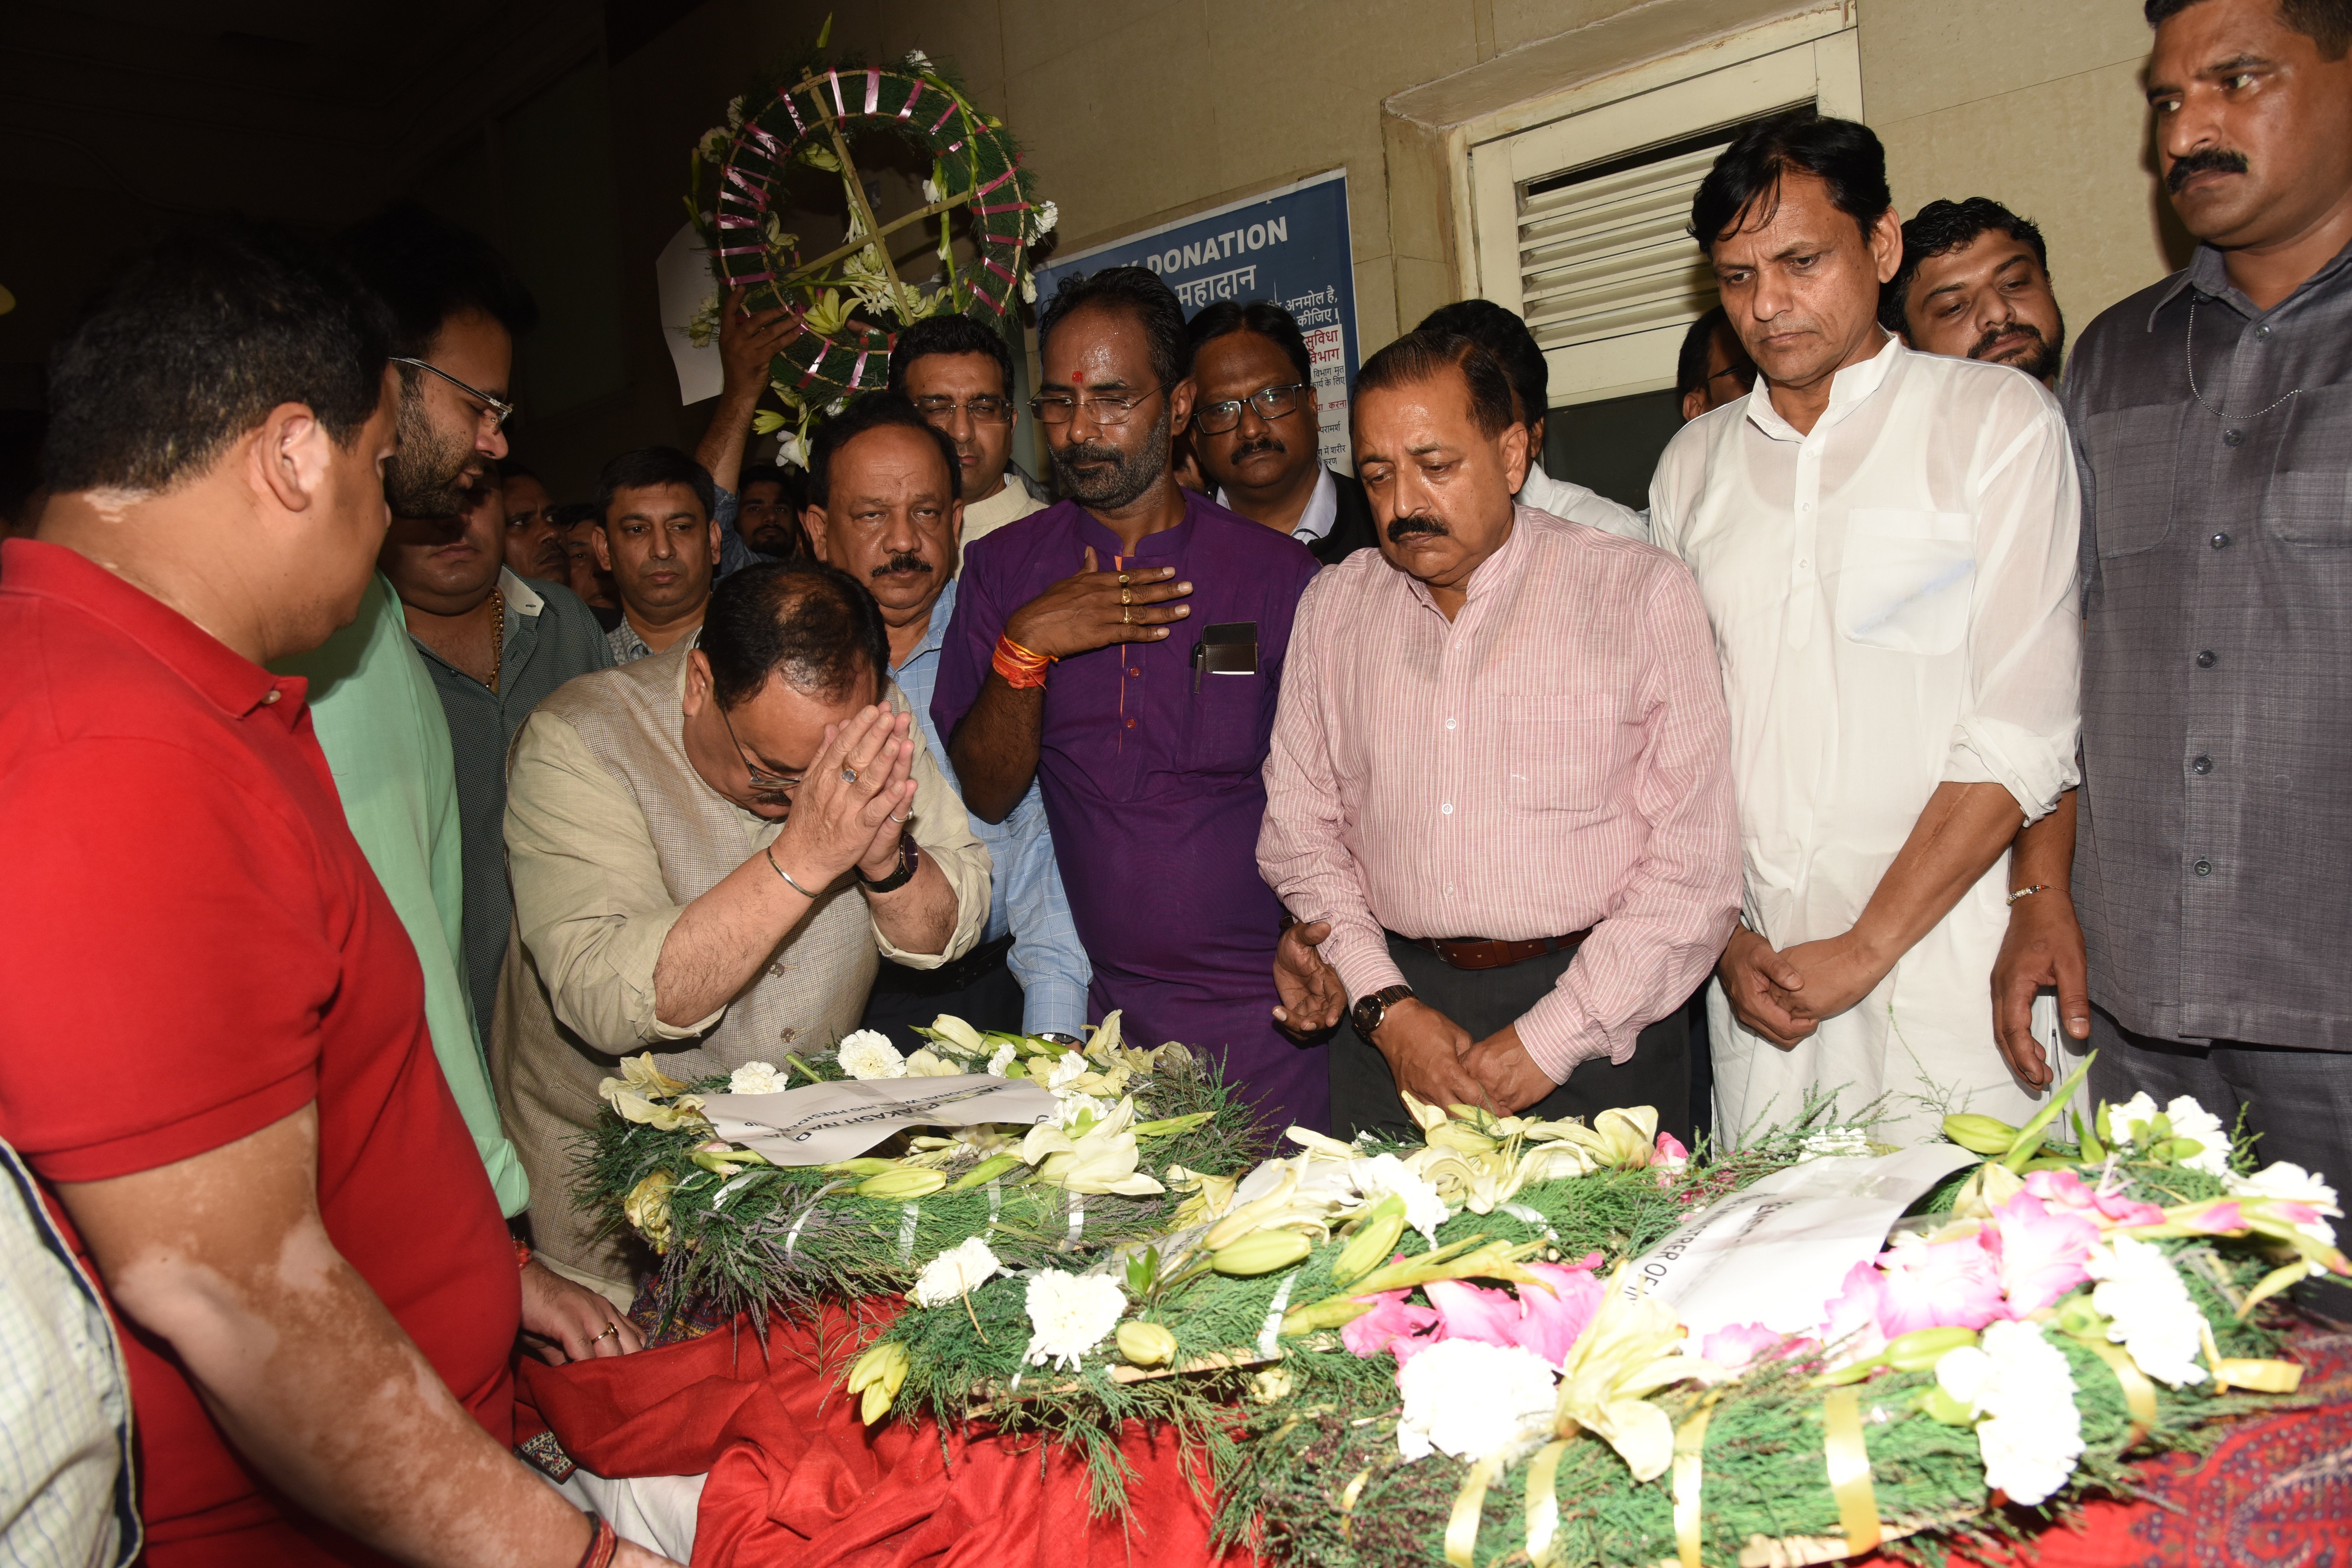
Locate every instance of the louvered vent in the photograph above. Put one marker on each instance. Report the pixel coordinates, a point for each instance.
(1605, 250)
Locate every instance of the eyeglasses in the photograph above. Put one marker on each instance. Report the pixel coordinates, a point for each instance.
(1271, 403)
(496, 409)
(1103, 409)
(983, 410)
(762, 781)
(1743, 375)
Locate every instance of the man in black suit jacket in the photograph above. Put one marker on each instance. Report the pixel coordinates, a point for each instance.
(1255, 424)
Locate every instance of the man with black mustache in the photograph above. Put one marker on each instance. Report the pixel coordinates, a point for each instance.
(884, 507)
(1500, 724)
(1123, 649)
(1974, 283)
(2213, 420)
(1255, 428)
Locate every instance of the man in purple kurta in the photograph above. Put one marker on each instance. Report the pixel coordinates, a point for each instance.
(1166, 619)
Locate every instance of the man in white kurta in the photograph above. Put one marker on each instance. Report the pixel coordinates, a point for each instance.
(1893, 597)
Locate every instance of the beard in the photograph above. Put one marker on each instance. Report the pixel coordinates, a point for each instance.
(431, 471)
(2041, 364)
(1119, 477)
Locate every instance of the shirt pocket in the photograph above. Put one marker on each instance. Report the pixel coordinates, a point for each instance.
(2135, 456)
(1226, 723)
(2308, 500)
(1562, 757)
(1907, 579)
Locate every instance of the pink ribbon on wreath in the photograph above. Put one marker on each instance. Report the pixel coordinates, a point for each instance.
(746, 279)
(1000, 179)
(1003, 208)
(768, 143)
(857, 370)
(835, 77)
(873, 89)
(799, 126)
(742, 250)
(735, 220)
(998, 268)
(944, 115)
(913, 98)
(757, 200)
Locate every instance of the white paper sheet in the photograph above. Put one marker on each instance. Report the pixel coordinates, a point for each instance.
(821, 1122)
(1778, 1252)
(682, 282)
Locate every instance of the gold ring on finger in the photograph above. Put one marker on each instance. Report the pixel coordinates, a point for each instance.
(1125, 597)
(1122, 579)
(1126, 617)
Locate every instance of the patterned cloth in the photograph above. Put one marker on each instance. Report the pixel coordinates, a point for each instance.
(68, 1479)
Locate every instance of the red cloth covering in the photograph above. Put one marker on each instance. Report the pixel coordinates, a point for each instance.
(795, 1478)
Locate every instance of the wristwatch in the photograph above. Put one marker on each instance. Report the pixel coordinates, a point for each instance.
(908, 858)
(1371, 1012)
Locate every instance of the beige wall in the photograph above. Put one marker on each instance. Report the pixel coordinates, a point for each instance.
(1137, 111)
(2036, 103)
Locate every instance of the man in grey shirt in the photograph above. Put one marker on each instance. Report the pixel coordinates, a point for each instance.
(2212, 417)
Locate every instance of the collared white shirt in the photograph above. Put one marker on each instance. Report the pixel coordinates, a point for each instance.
(1893, 602)
(1576, 504)
(1322, 507)
(1011, 504)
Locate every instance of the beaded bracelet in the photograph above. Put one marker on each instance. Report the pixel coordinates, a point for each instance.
(1020, 667)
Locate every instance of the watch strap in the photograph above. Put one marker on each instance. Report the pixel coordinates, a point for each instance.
(909, 857)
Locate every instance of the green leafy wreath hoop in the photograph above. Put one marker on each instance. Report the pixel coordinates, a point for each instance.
(975, 165)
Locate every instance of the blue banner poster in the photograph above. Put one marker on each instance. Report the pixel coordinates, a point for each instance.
(1290, 246)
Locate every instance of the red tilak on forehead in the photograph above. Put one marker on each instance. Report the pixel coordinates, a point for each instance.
(1078, 378)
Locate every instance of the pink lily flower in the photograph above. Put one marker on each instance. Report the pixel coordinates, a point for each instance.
(1850, 1320)
(2040, 1253)
(1936, 1285)
(1394, 1324)
(1735, 1345)
(2065, 1190)
(2213, 1219)
(1671, 1152)
(1545, 1321)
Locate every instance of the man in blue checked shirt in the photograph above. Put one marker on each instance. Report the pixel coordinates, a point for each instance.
(883, 507)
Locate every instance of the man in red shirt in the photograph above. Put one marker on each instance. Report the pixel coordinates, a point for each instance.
(212, 1047)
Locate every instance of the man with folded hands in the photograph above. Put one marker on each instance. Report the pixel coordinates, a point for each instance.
(713, 848)
(1500, 795)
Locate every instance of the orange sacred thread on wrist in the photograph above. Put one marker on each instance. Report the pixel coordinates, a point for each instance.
(1020, 667)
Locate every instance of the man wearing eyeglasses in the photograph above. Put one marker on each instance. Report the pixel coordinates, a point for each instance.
(1256, 429)
(1712, 368)
(712, 849)
(959, 377)
(1124, 649)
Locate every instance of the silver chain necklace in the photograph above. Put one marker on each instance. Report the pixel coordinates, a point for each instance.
(2191, 351)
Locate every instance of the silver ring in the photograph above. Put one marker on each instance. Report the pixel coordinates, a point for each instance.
(901, 820)
(849, 775)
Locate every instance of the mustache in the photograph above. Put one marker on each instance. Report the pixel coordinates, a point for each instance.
(2204, 161)
(1090, 452)
(1416, 524)
(905, 560)
(1992, 335)
(1263, 443)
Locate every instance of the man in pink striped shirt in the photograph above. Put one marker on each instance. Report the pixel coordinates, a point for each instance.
(1499, 792)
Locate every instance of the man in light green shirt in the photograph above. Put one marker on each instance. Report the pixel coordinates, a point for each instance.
(379, 722)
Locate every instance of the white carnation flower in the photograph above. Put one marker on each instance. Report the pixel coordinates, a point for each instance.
(868, 1053)
(957, 1272)
(1471, 1400)
(1069, 1315)
(918, 61)
(2150, 1311)
(735, 111)
(1046, 215)
(2030, 1433)
(755, 1077)
(1072, 1108)
(2190, 1119)
(1072, 1067)
(1028, 288)
(1385, 1174)
(1835, 1141)
(1004, 1057)
(2292, 1182)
